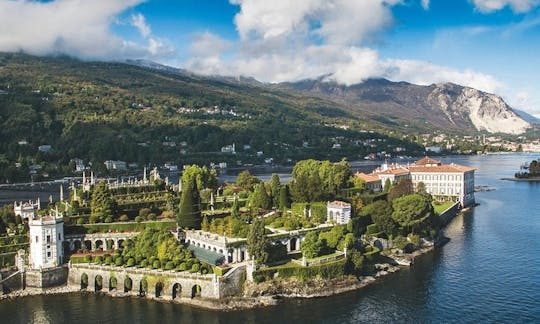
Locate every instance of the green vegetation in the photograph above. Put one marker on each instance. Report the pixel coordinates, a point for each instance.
(257, 243)
(534, 171)
(439, 208)
(330, 270)
(70, 104)
(190, 212)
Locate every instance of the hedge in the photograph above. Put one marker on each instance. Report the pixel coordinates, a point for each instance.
(318, 210)
(119, 227)
(325, 271)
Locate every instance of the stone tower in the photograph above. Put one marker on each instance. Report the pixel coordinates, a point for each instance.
(46, 237)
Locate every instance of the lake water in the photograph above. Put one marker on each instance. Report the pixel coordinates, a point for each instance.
(488, 272)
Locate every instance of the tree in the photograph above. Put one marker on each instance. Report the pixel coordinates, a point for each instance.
(387, 185)
(235, 209)
(190, 212)
(246, 181)
(257, 243)
(403, 188)
(204, 178)
(312, 247)
(410, 211)
(275, 188)
(381, 215)
(259, 198)
(205, 225)
(284, 197)
(102, 204)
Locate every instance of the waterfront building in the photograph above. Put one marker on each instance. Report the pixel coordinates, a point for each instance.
(46, 237)
(394, 172)
(338, 211)
(445, 182)
(373, 183)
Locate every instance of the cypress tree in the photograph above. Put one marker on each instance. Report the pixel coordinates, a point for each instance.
(284, 199)
(190, 212)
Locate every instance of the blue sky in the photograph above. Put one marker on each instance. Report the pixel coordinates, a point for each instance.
(492, 45)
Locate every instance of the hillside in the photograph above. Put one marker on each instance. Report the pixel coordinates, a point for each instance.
(441, 106)
(98, 111)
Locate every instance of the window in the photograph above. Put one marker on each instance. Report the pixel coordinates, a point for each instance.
(59, 237)
(48, 254)
(37, 238)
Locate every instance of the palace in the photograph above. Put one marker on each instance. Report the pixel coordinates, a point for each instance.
(445, 182)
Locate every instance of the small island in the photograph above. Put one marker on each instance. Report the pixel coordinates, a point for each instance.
(531, 175)
(229, 246)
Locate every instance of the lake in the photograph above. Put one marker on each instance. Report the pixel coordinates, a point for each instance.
(488, 272)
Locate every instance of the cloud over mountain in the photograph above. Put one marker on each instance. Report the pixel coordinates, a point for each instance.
(75, 27)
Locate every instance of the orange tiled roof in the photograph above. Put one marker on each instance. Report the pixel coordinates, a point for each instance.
(427, 160)
(367, 177)
(445, 168)
(394, 170)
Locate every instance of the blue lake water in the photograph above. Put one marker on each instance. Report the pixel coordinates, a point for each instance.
(488, 272)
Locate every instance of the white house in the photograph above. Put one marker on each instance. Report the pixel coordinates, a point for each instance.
(338, 211)
(46, 237)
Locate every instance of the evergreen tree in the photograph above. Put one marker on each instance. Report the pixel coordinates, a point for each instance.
(102, 204)
(275, 188)
(284, 197)
(190, 212)
(260, 198)
(235, 209)
(257, 244)
(205, 226)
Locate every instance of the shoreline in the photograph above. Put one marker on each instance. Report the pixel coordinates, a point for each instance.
(316, 288)
(535, 179)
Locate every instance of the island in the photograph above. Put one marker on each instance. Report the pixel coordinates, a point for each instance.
(531, 175)
(231, 245)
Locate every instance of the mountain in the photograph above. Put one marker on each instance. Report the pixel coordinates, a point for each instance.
(444, 106)
(147, 113)
(528, 117)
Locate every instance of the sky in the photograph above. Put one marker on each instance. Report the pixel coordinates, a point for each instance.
(491, 45)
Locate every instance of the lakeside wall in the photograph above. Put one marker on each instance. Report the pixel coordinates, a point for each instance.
(450, 213)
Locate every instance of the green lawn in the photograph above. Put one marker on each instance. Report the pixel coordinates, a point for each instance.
(439, 208)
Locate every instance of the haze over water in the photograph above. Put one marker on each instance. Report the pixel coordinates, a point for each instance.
(488, 272)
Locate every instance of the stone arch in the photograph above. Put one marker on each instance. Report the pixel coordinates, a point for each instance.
(331, 214)
(128, 284)
(196, 291)
(176, 290)
(113, 283)
(88, 245)
(77, 245)
(67, 247)
(292, 244)
(230, 255)
(98, 283)
(143, 287)
(120, 242)
(159, 289)
(98, 245)
(84, 281)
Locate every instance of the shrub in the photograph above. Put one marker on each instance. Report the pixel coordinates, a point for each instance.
(98, 259)
(156, 264)
(87, 258)
(108, 259)
(118, 261)
(144, 263)
(130, 262)
(195, 268)
(372, 229)
(123, 218)
(108, 219)
(169, 265)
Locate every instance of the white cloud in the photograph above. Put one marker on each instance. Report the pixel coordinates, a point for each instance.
(425, 4)
(75, 27)
(139, 22)
(519, 6)
(285, 40)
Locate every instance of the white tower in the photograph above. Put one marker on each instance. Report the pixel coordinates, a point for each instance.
(46, 237)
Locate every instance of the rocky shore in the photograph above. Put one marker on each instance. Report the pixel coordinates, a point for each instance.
(39, 291)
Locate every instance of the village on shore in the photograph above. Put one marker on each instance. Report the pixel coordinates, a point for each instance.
(231, 245)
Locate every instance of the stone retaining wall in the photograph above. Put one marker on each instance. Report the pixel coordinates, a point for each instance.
(160, 284)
